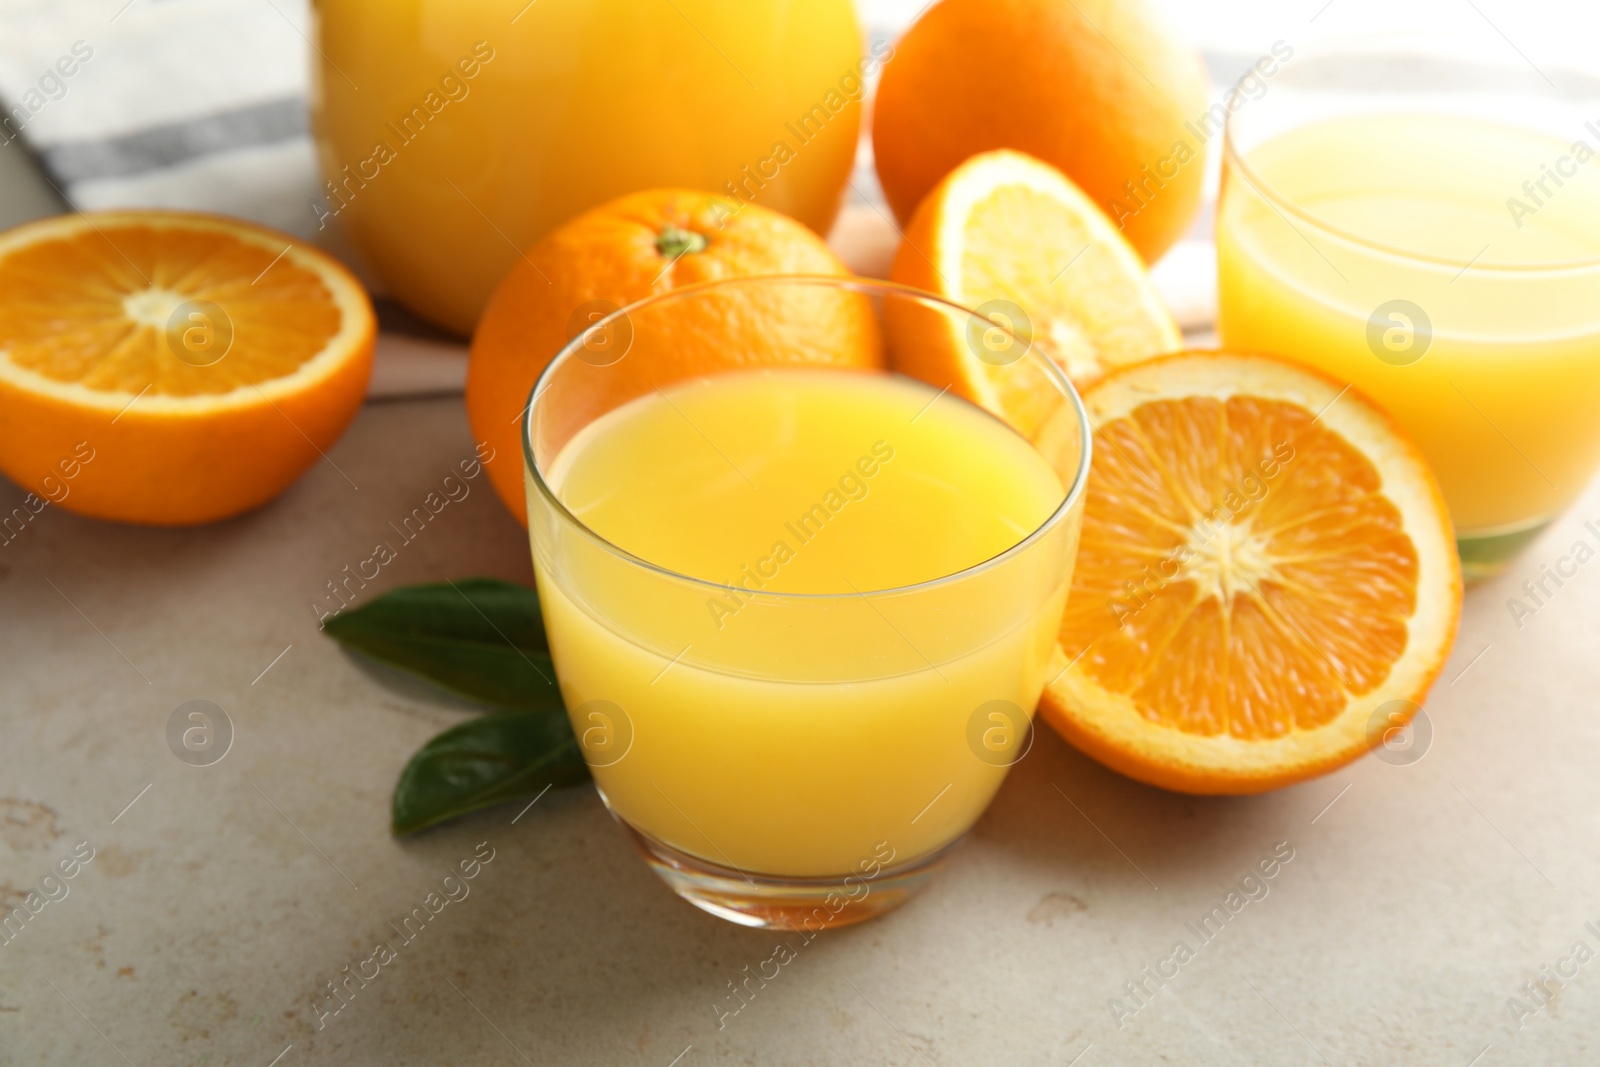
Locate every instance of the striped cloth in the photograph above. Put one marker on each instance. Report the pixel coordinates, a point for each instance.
(196, 104)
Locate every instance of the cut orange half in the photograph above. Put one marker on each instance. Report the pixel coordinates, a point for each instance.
(1014, 239)
(1266, 583)
(169, 368)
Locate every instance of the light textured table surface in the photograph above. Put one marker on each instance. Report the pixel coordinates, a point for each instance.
(218, 906)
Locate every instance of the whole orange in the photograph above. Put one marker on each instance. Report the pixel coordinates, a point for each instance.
(1100, 89)
(646, 243)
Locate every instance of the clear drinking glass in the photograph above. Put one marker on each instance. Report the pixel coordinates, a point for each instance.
(806, 762)
(1414, 212)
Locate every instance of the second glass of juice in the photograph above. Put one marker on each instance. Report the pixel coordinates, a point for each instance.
(1419, 215)
(801, 616)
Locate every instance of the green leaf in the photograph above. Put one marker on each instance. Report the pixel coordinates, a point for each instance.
(486, 761)
(479, 638)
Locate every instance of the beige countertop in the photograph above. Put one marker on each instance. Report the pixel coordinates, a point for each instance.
(221, 900)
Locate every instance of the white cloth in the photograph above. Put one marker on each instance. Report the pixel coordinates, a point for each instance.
(196, 104)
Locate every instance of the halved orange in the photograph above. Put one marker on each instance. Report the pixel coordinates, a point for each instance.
(170, 368)
(1014, 239)
(1266, 569)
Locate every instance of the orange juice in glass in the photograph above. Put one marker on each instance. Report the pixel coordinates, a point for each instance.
(801, 617)
(455, 133)
(1412, 217)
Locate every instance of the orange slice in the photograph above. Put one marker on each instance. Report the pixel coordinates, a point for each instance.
(1266, 570)
(169, 368)
(1013, 238)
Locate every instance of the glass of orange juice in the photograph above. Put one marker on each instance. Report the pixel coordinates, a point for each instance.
(453, 134)
(1418, 214)
(801, 616)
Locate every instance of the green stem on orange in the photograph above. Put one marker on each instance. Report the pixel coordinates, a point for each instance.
(676, 242)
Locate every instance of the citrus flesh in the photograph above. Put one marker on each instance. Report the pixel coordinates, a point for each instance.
(205, 361)
(1265, 565)
(1015, 240)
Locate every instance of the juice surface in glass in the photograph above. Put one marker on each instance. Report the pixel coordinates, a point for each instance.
(456, 133)
(1431, 261)
(772, 729)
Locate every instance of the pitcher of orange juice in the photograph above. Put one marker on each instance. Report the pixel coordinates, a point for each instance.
(453, 134)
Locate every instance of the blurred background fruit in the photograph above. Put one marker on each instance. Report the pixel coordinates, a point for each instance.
(170, 368)
(623, 251)
(1101, 90)
(477, 128)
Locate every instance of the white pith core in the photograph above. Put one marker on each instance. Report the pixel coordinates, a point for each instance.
(151, 307)
(1225, 559)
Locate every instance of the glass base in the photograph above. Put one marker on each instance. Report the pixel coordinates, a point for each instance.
(782, 903)
(1488, 553)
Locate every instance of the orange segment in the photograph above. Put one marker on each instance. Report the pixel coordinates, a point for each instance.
(204, 361)
(1264, 562)
(1004, 230)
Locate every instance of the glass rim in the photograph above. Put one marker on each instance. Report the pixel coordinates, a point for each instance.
(866, 286)
(1365, 43)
